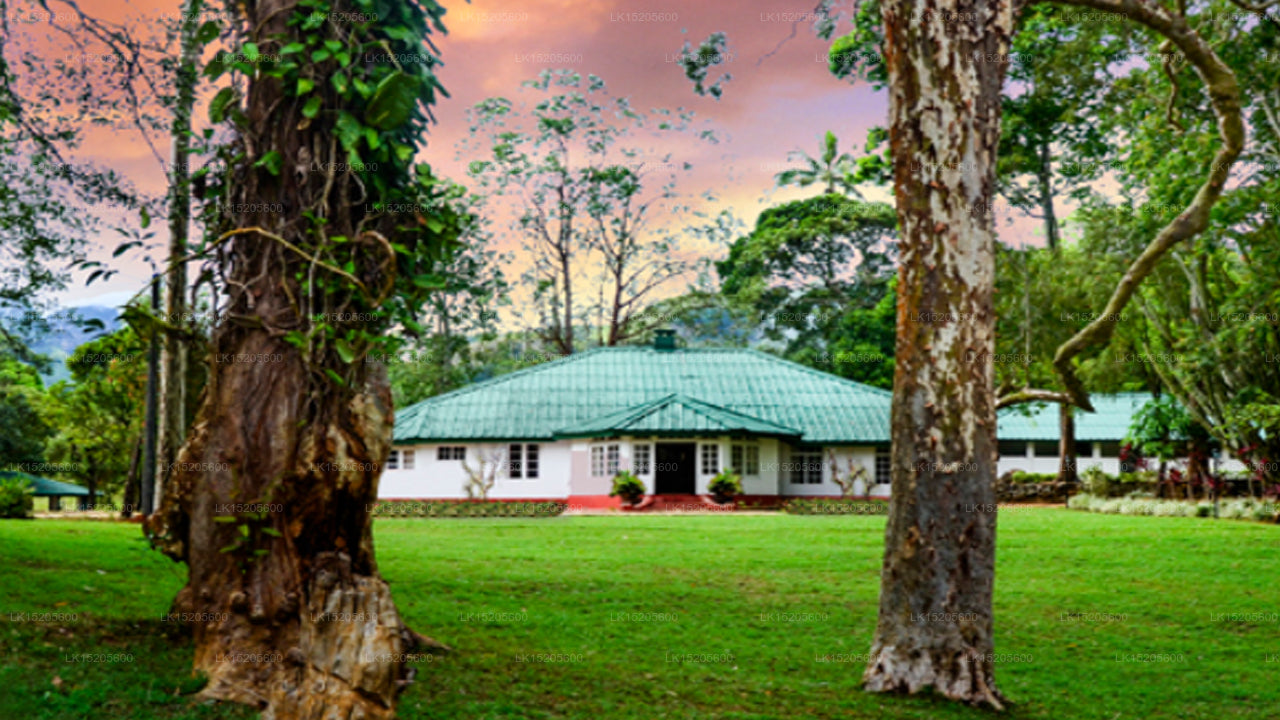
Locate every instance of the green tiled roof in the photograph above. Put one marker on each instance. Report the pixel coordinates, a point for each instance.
(722, 387)
(1110, 422)
(45, 487)
(675, 414)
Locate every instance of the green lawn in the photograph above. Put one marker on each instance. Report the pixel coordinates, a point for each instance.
(776, 593)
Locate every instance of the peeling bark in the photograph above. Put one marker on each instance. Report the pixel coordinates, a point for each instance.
(934, 629)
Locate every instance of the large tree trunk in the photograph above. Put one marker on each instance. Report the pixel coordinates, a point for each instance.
(269, 504)
(934, 629)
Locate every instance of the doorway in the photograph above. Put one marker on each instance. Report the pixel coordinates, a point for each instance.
(674, 469)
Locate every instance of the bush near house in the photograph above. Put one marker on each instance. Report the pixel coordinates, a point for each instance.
(627, 486)
(467, 509)
(16, 500)
(725, 486)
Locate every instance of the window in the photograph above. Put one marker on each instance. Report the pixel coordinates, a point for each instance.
(1046, 449)
(612, 458)
(884, 467)
(522, 461)
(406, 459)
(530, 461)
(451, 452)
(393, 460)
(514, 455)
(745, 458)
(710, 459)
(604, 460)
(597, 461)
(642, 457)
(806, 467)
(1012, 448)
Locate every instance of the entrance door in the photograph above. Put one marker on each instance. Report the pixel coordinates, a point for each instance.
(674, 470)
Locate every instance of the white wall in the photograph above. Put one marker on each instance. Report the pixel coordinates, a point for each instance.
(1088, 454)
(864, 456)
(446, 479)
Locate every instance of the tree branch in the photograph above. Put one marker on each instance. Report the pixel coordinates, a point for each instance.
(1224, 94)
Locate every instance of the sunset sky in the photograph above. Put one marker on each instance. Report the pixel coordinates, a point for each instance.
(781, 97)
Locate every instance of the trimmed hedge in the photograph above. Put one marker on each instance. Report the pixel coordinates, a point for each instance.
(826, 506)
(1231, 508)
(467, 509)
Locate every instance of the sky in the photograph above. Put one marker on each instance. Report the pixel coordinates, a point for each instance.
(781, 98)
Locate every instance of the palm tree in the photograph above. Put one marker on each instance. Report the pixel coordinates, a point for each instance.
(836, 170)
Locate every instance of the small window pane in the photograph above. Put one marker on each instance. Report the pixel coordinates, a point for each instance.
(597, 461)
(393, 460)
(406, 457)
(884, 468)
(710, 459)
(531, 461)
(613, 460)
(1046, 449)
(753, 460)
(642, 459)
(735, 458)
(514, 456)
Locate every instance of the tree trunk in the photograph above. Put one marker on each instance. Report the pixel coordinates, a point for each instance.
(173, 358)
(269, 505)
(1046, 197)
(131, 482)
(935, 625)
(1068, 463)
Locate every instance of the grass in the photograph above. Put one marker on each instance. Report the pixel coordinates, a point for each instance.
(777, 593)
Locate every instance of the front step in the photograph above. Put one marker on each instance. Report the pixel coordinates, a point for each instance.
(680, 503)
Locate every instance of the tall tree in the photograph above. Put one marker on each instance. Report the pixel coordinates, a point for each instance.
(328, 235)
(585, 192)
(935, 624)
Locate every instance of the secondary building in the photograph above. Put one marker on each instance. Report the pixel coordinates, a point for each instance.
(676, 417)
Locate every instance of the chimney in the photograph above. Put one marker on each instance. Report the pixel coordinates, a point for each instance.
(664, 340)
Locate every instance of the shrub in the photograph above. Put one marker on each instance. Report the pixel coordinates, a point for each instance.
(627, 486)
(16, 499)
(725, 485)
(1019, 476)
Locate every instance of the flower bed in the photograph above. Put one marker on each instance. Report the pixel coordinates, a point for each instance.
(1230, 508)
(467, 509)
(825, 506)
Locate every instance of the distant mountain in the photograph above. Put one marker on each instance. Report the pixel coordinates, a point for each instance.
(65, 335)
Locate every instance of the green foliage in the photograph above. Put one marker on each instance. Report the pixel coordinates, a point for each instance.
(836, 171)
(697, 64)
(1018, 476)
(375, 261)
(815, 277)
(16, 498)
(725, 485)
(627, 486)
(25, 431)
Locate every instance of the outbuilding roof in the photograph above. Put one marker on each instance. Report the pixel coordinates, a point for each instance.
(44, 487)
(1039, 421)
(642, 390)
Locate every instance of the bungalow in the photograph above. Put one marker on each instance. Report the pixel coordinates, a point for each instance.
(675, 417)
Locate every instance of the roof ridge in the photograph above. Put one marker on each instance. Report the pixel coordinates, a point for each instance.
(814, 371)
(483, 384)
